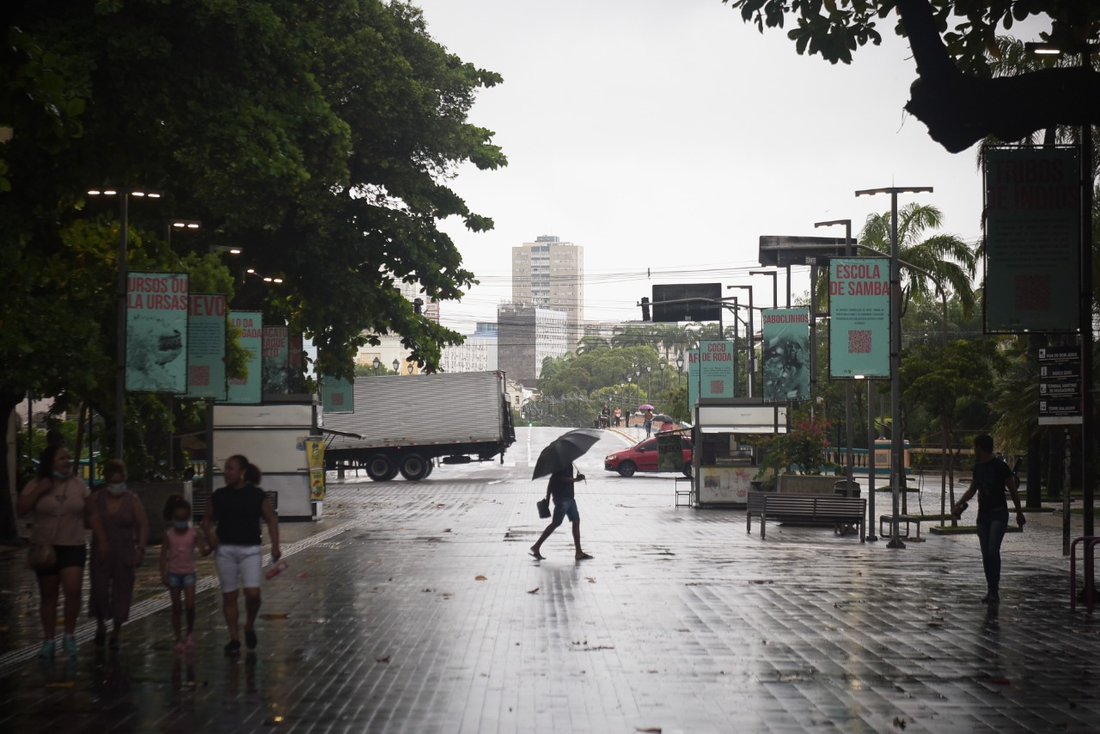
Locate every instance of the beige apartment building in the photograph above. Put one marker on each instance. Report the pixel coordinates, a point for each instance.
(549, 274)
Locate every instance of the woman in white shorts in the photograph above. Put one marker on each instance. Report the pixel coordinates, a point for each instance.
(237, 510)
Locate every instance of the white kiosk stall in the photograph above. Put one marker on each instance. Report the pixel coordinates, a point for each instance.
(724, 467)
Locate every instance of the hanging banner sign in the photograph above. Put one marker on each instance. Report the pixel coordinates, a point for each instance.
(670, 452)
(716, 369)
(693, 378)
(206, 346)
(276, 356)
(1032, 239)
(1060, 386)
(156, 332)
(247, 390)
(786, 354)
(337, 395)
(295, 370)
(859, 318)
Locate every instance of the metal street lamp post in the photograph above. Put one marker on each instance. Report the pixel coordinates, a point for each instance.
(396, 367)
(120, 374)
(897, 464)
(751, 361)
(680, 368)
(649, 390)
(376, 364)
(661, 382)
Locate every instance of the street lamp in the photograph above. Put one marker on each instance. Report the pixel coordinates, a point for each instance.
(180, 225)
(376, 364)
(649, 390)
(120, 374)
(409, 367)
(774, 275)
(897, 468)
(264, 278)
(662, 363)
(396, 367)
(680, 368)
(752, 343)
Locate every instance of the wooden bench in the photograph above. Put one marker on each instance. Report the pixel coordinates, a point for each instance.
(885, 520)
(811, 508)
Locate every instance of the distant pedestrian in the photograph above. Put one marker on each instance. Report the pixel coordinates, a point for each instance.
(119, 533)
(992, 476)
(560, 489)
(177, 566)
(648, 418)
(57, 498)
(237, 510)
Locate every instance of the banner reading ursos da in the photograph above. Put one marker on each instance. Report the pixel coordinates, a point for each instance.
(156, 332)
(786, 354)
(859, 318)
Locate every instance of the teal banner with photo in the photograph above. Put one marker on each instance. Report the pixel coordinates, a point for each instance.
(337, 395)
(276, 355)
(248, 390)
(786, 354)
(859, 317)
(206, 324)
(156, 332)
(693, 378)
(716, 369)
(1032, 239)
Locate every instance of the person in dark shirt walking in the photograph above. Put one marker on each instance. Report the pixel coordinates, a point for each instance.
(560, 489)
(991, 477)
(237, 509)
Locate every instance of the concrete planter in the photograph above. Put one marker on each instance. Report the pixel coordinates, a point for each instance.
(805, 484)
(153, 495)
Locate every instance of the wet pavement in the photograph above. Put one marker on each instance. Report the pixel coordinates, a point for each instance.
(415, 608)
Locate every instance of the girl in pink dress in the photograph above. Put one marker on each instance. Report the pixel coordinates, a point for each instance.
(177, 565)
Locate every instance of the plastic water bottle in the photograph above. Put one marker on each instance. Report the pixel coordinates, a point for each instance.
(276, 570)
(962, 509)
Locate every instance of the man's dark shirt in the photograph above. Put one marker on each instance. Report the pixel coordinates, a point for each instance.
(560, 486)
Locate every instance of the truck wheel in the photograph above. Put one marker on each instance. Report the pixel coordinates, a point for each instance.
(414, 467)
(381, 468)
(431, 466)
(627, 468)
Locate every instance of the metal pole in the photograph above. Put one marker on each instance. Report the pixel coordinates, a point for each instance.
(872, 519)
(752, 344)
(208, 480)
(1088, 421)
(120, 356)
(897, 477)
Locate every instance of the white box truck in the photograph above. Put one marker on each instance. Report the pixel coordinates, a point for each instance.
(403, 423)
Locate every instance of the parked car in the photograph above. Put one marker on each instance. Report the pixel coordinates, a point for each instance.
(643, 457)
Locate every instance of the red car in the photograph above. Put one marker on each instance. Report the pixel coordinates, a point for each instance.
(642, 456)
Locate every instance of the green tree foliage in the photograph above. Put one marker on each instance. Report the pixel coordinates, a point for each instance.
(955, 94)
(317, 136)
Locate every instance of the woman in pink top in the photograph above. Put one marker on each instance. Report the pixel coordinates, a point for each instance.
(177, 565)
(57, 499)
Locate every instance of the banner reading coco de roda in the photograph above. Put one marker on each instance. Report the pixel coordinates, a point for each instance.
(206, 346)
(248, 390)
(1032, 239)
(716, 369)
(786, 354)
(156, 332)
(859, 317)
(337, 395)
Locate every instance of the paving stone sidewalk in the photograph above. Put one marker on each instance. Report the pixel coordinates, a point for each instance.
(415, 608)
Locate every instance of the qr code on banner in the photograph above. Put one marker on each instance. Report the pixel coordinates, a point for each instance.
(338, 398)
(1032, 292)
(198, 376)
(717, 387)
(859, 341)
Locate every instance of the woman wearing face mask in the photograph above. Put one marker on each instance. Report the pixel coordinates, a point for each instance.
(57, 499)
(119, 533)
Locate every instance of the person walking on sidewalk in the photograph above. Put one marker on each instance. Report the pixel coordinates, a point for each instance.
(991, 477)
(177, 566)
(237, 509)
(119, 533)
(57, 497)
(560, 489)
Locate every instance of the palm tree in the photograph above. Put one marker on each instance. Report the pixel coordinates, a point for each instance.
(946, 256)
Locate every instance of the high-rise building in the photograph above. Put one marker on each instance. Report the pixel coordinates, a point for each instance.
(477, 354)
(549, 273)
(525, 337)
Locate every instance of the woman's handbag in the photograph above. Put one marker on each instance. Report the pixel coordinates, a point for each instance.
(41, 557)
(544, 508)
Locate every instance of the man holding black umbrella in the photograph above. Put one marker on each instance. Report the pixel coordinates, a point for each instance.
(560, 489)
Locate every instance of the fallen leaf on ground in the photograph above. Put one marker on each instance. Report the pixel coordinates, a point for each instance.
(1000, 680)
(61, 684)
(479, 577)
(383, 659)
(760, 581)
(274, 615)
(648, 729)
(899, 723)
(590, 579)
(302, 575)
(534, 590)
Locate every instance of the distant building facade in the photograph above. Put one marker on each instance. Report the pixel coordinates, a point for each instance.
(477, 354)
(549, 273)
(526, 335)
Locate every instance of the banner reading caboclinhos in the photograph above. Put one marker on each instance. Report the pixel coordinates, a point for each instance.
(156, 332)
(786, 354)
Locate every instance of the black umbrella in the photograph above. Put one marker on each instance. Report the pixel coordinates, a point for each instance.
(564, 450)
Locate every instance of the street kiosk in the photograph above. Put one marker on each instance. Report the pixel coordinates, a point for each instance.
(724, 465)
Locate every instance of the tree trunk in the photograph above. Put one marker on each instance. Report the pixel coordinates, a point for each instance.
(9, 531)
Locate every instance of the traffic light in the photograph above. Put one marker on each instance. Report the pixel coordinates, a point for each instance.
(645, 308)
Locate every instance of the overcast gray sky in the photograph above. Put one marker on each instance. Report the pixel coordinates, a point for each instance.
(668, 135)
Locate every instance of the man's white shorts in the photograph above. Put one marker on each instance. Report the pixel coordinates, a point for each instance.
(239, 566)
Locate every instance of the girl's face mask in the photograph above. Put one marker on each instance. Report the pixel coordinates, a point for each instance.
(181, 524)
(117, 488)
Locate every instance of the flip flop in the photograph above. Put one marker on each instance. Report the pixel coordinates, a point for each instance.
(585, 557)
(536, 556)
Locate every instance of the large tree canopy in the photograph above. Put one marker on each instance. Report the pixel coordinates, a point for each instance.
(318, 136)
(955, 94)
